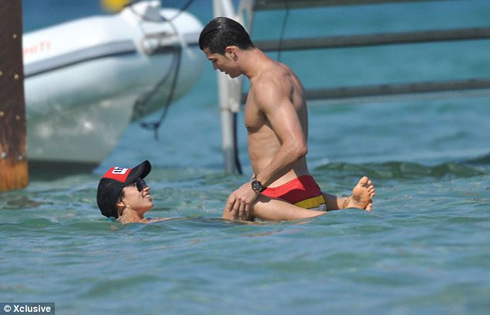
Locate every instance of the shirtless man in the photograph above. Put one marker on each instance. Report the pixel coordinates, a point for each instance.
(277, 123)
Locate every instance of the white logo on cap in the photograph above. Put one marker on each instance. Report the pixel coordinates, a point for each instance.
(119, 171)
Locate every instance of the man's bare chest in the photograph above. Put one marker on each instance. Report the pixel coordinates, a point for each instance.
(254, 118)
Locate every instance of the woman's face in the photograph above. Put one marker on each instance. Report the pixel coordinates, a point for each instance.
(139, 201)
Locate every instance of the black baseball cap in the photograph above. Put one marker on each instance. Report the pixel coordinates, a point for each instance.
(112, 183)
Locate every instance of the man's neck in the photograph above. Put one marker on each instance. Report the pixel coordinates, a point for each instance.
(253, 62)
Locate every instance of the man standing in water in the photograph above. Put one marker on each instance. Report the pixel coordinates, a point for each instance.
(277, 123)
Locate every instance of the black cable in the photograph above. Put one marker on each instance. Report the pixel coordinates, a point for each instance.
(283, 30)
(181, 10)
(238, 165)
(176, 62)
(175, 67)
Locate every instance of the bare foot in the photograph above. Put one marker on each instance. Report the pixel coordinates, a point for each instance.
(362, 195)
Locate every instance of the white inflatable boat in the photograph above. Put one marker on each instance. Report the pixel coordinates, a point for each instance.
(86, 80)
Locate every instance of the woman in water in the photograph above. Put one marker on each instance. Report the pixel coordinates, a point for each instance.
(124, 195)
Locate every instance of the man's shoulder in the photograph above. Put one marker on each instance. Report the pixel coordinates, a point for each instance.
(271, 80)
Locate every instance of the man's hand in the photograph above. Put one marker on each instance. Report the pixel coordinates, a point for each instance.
(240, 202)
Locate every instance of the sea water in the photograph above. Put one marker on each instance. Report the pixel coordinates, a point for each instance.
(423, 249)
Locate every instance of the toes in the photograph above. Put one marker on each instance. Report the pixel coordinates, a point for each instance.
(369, 206)
(364, 181)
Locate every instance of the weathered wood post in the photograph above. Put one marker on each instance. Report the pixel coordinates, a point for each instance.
(13, 157)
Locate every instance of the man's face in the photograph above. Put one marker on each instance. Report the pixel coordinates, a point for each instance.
(224, 63)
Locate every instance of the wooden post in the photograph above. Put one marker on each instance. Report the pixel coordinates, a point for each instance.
(13, 157)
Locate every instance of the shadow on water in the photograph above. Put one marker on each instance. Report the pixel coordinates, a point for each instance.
(411, 170)
(49, 171)
(482, 160)
(43, 171)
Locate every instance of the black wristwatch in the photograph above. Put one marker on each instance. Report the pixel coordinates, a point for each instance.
(257, 186)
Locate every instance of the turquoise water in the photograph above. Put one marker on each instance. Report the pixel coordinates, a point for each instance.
(423, 249)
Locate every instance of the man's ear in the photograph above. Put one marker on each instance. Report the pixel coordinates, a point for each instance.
(231, 51)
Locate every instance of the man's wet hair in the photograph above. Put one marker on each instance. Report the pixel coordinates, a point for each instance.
(222, 32)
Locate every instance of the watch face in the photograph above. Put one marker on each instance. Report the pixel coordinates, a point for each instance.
(256, 185)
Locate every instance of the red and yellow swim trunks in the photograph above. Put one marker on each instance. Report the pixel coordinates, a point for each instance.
(302, 191)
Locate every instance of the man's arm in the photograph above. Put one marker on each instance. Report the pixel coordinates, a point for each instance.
(272, 99)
